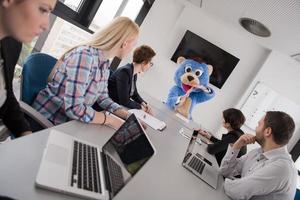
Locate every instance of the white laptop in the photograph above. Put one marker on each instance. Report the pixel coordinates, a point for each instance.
(72, 166)
(199, 164)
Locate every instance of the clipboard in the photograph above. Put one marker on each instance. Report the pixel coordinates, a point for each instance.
(149, 119)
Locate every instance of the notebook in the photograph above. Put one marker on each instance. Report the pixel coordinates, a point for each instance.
(199, 164)
(76, 167)
(149, 119)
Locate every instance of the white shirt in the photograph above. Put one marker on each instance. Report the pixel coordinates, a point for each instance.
(2, 82)
(269, 175)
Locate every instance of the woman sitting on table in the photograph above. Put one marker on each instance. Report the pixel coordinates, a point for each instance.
(20, 21)
(122, 83)
(233, 119)
(79, 78)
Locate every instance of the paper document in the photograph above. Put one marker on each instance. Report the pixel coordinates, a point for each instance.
(180, 116)
(149, 119)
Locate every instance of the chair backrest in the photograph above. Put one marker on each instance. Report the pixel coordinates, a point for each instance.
(36, 70)
(297, 196)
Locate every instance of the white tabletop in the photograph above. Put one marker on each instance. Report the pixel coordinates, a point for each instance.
(163, 176)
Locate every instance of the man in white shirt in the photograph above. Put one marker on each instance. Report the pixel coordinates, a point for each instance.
(267, 172)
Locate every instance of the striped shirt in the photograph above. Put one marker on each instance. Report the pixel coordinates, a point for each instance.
(78, 82)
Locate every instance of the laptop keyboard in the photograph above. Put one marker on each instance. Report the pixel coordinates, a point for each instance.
(117, 179)
(196, 164)
(85, 168)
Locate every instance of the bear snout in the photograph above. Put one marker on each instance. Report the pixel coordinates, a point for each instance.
(190, 78)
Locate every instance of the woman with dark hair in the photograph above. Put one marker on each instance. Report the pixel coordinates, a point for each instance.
(122, 83)
(20, 21)
(233, 119)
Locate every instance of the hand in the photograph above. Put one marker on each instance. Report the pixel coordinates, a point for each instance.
(243, 141)
(147, 109)
(204, 134)
(114, 121)
(183, 99)
(26, 133)
(203, 88)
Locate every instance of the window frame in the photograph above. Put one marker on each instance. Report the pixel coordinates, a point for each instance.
(81, 18)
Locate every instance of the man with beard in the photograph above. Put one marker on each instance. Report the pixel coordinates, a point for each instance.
(267, 172)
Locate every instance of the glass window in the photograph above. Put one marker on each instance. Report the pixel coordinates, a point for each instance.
(73, 4)
(62, 37)
(132, 8)
(105, 13)
(26, 51)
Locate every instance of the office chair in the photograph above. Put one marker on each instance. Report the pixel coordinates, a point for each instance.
(36, 69)
(297, 196)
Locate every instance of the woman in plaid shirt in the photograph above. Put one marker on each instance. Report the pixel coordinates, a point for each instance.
(79, 79)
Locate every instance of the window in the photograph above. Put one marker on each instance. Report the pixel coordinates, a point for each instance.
(132, 8)
(76, 20)
(73, 4)
(111, 9)
(62, 37)
(105, 13)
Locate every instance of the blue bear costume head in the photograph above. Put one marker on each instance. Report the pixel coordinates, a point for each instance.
(191, 79)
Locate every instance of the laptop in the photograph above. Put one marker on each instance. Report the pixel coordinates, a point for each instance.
(199, 164)
(76, 167)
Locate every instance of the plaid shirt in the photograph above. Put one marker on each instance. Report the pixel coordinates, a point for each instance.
(79, 82)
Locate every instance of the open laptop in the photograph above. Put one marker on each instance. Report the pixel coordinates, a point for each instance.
(72, 166)
(199, 164)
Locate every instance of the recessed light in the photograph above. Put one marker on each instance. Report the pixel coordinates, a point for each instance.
(255, 27)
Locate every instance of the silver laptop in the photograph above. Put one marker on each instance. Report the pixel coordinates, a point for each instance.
(199, 164)
(72, 166)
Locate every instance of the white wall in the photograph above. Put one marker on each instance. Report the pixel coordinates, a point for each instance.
(282, 74)
(163, 29)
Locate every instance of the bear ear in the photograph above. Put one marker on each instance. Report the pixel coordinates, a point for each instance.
(180, 59)
(210, 69)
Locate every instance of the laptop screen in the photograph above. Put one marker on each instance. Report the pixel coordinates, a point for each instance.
(129, 147)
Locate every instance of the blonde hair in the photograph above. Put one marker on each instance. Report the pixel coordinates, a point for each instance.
(109, 38)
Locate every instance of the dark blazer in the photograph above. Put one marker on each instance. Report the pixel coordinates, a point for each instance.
(10, 112)
(219, 147)
(119, 86)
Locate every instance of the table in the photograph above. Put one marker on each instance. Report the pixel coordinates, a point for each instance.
(163, 176)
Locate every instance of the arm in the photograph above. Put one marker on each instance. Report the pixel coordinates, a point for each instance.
(123, 90)
(213, 139)
(13, 117)
(262, 181)
(219, 145)
(201, 96)
(136, 96)
(78, 67)
(174, 97)
(231, 165)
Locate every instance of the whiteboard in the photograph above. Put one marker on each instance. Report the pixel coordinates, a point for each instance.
(263, 98)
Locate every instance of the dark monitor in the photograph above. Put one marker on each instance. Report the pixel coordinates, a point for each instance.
(195, 47)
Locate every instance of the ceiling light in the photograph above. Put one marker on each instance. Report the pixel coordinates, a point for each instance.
(255, 27)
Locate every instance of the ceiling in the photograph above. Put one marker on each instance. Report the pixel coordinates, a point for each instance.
(282, 17)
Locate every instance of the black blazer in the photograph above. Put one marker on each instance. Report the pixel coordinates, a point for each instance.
(119, 86)
(219, 147)
(10, 112)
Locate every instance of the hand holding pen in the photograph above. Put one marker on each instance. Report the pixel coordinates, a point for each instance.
(146, 108)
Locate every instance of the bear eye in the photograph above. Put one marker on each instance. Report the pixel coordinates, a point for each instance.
(198, 72)
(188, 69)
